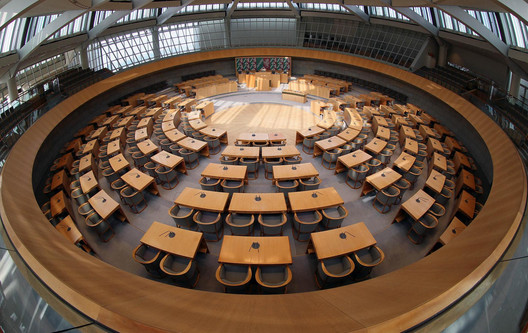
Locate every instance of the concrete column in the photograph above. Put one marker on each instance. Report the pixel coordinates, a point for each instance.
(515, 84)
(83, 52)
(12, 89)
(155, 43)
(442, 54)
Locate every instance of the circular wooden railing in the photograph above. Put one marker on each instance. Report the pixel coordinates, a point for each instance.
(396, 301)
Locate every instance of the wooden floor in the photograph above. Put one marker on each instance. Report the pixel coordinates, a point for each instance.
(265, 118)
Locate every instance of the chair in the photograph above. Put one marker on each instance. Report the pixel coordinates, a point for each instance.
(272, 224)
(357, 143)
(190, 158)
(150, 258)
(101, 227)
(304, 223)
(175, 149)
(421, 155)
(85, 209)
(444, 196)
(419, 164)
(150, 167)
(365, 260)
(268, 166)
(167, 177)
(357, 175)
(214, 145)
(165, 145)
(210, 223)
(273, 279)
(79, 196)
(412, 175)
(75, 173)
(390, 147)
(279, 143)
(386, 198)
(346, 149)
(199, 136)
(385, 156)
(292, 160)
(437, 210)
(287, 186)
(104, 165)
(118, 185)
(134, 199)
(75, 184)
(240, 224)
(308, 144)
(308, 184)
(232, 186)
(420, 227)
(403, 185)
(330, 156)
(180, 269)
(252, 165)
(242, 143)
(210, 184)
(132, 150)
(228, 160)
(182, 216)
(139, 159)
(374, 166)
(110, 175)
(449, 184)
(233, 277)
(260, 144)
(334, 216)
(450, 173)
(333, 270)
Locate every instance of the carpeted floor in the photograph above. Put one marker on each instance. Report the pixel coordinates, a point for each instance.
(264, 112)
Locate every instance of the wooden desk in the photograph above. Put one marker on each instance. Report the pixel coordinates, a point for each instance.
(253, 137)
(435, 181)
(172, 102)
(416, 206)
(427, 132)
(118, 133)
(173, 240)
(65, 162)
(98, 134)
(277, 137)
(410, 146)
(340, 241)
(69, 230)
(174, 135)
(118, 163)
(197, 124)
(327, 144)
(88, 182)
(349, 134)
(248, 250)
(84, 132)
(383, 133)
(203, 200)
(453, 229)
(235, 151)
(194, 115)
(466, 204)
(171, 116)
(461, 161)
(195, 145)
(137, 112)
(350, 160)
(147, 147)
(314, 200)
(376, 146)
(74, 145)
(280, 151)
(113, 148)
(170, 161)
(221, 171)
(258, 203)
(415, 119)
(452, 144)
(406, 132)
(215, 133)
(404, 162)
(91, 147)
(105, 206)
(442, 130)
(125, 122)
(308, 133)
(433, 145)
(465, 180)
(206, 108)
(140, 181)
(60, 181)
(167, 126)
(146, 122)
(141, 134)
(59, 203)
(294, 171)
(378, 121)
(87, 163)
(439, 162)
(371, 111)
(380, 180)
(109, 121)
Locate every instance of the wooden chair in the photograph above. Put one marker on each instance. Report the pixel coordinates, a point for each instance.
(357, 175)
(134, 199)
(272, 224)
(333, 216)
(252, 165)
(308, 184)
(419, 228)
(385, 199)
(273, 279)
(287, 186)
(228, 160)
(210, 184)
(167, 177)
(304, 223)
(182, 216)
(240, 224)
(330, 156)
(150, 258)
(95, 222)
(365, 260)
(268, 166)
(180, 269)
(232, 186)
(210, 223)
(234, 277)
(333, 270)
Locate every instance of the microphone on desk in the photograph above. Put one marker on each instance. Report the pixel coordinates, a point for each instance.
(343, 235)
(254, 245)
(314, 194)
(257, 197)
(419, 199)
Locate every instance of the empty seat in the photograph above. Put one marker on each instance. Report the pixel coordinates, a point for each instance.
(150, 258)
(444, 196)
(252, 165)
(374, 166)
(334, 216)
(273, 279)
(167, 177)
(272, 224)
(210, 223)
(292, 160)
(232, 186)
(134, 199)
(180, 269)
(139, 159)
(110, 175)
(308, 184)
(268, 166)
(403, 185)
(95, 222)
(385, 199)
(118, 185)
(234, 277)
(304, 223)
(240, 224)
(365, 260)
(150, 167)
(333, 270)
(214, 145)
(308, 144)
(228, 160)
(286, 186)
(412, 175)
(357, 175)
(330, 156)
(85, 209)
(419, 228)
(210, 184)
(191, 158)
(182, 216)
(437, 210)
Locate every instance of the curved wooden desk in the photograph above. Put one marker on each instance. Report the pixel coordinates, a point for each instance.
(395, 301)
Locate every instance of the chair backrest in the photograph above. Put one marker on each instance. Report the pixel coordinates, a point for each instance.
(232, 186)
(369, 257)
(165, 174)
(333, 217)
(251, 163)
(310, 183)
(182, 216)
(211, 225)
(272, 224)
(240, 224)
(270, 162)
(306, 222)
(228, 160)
